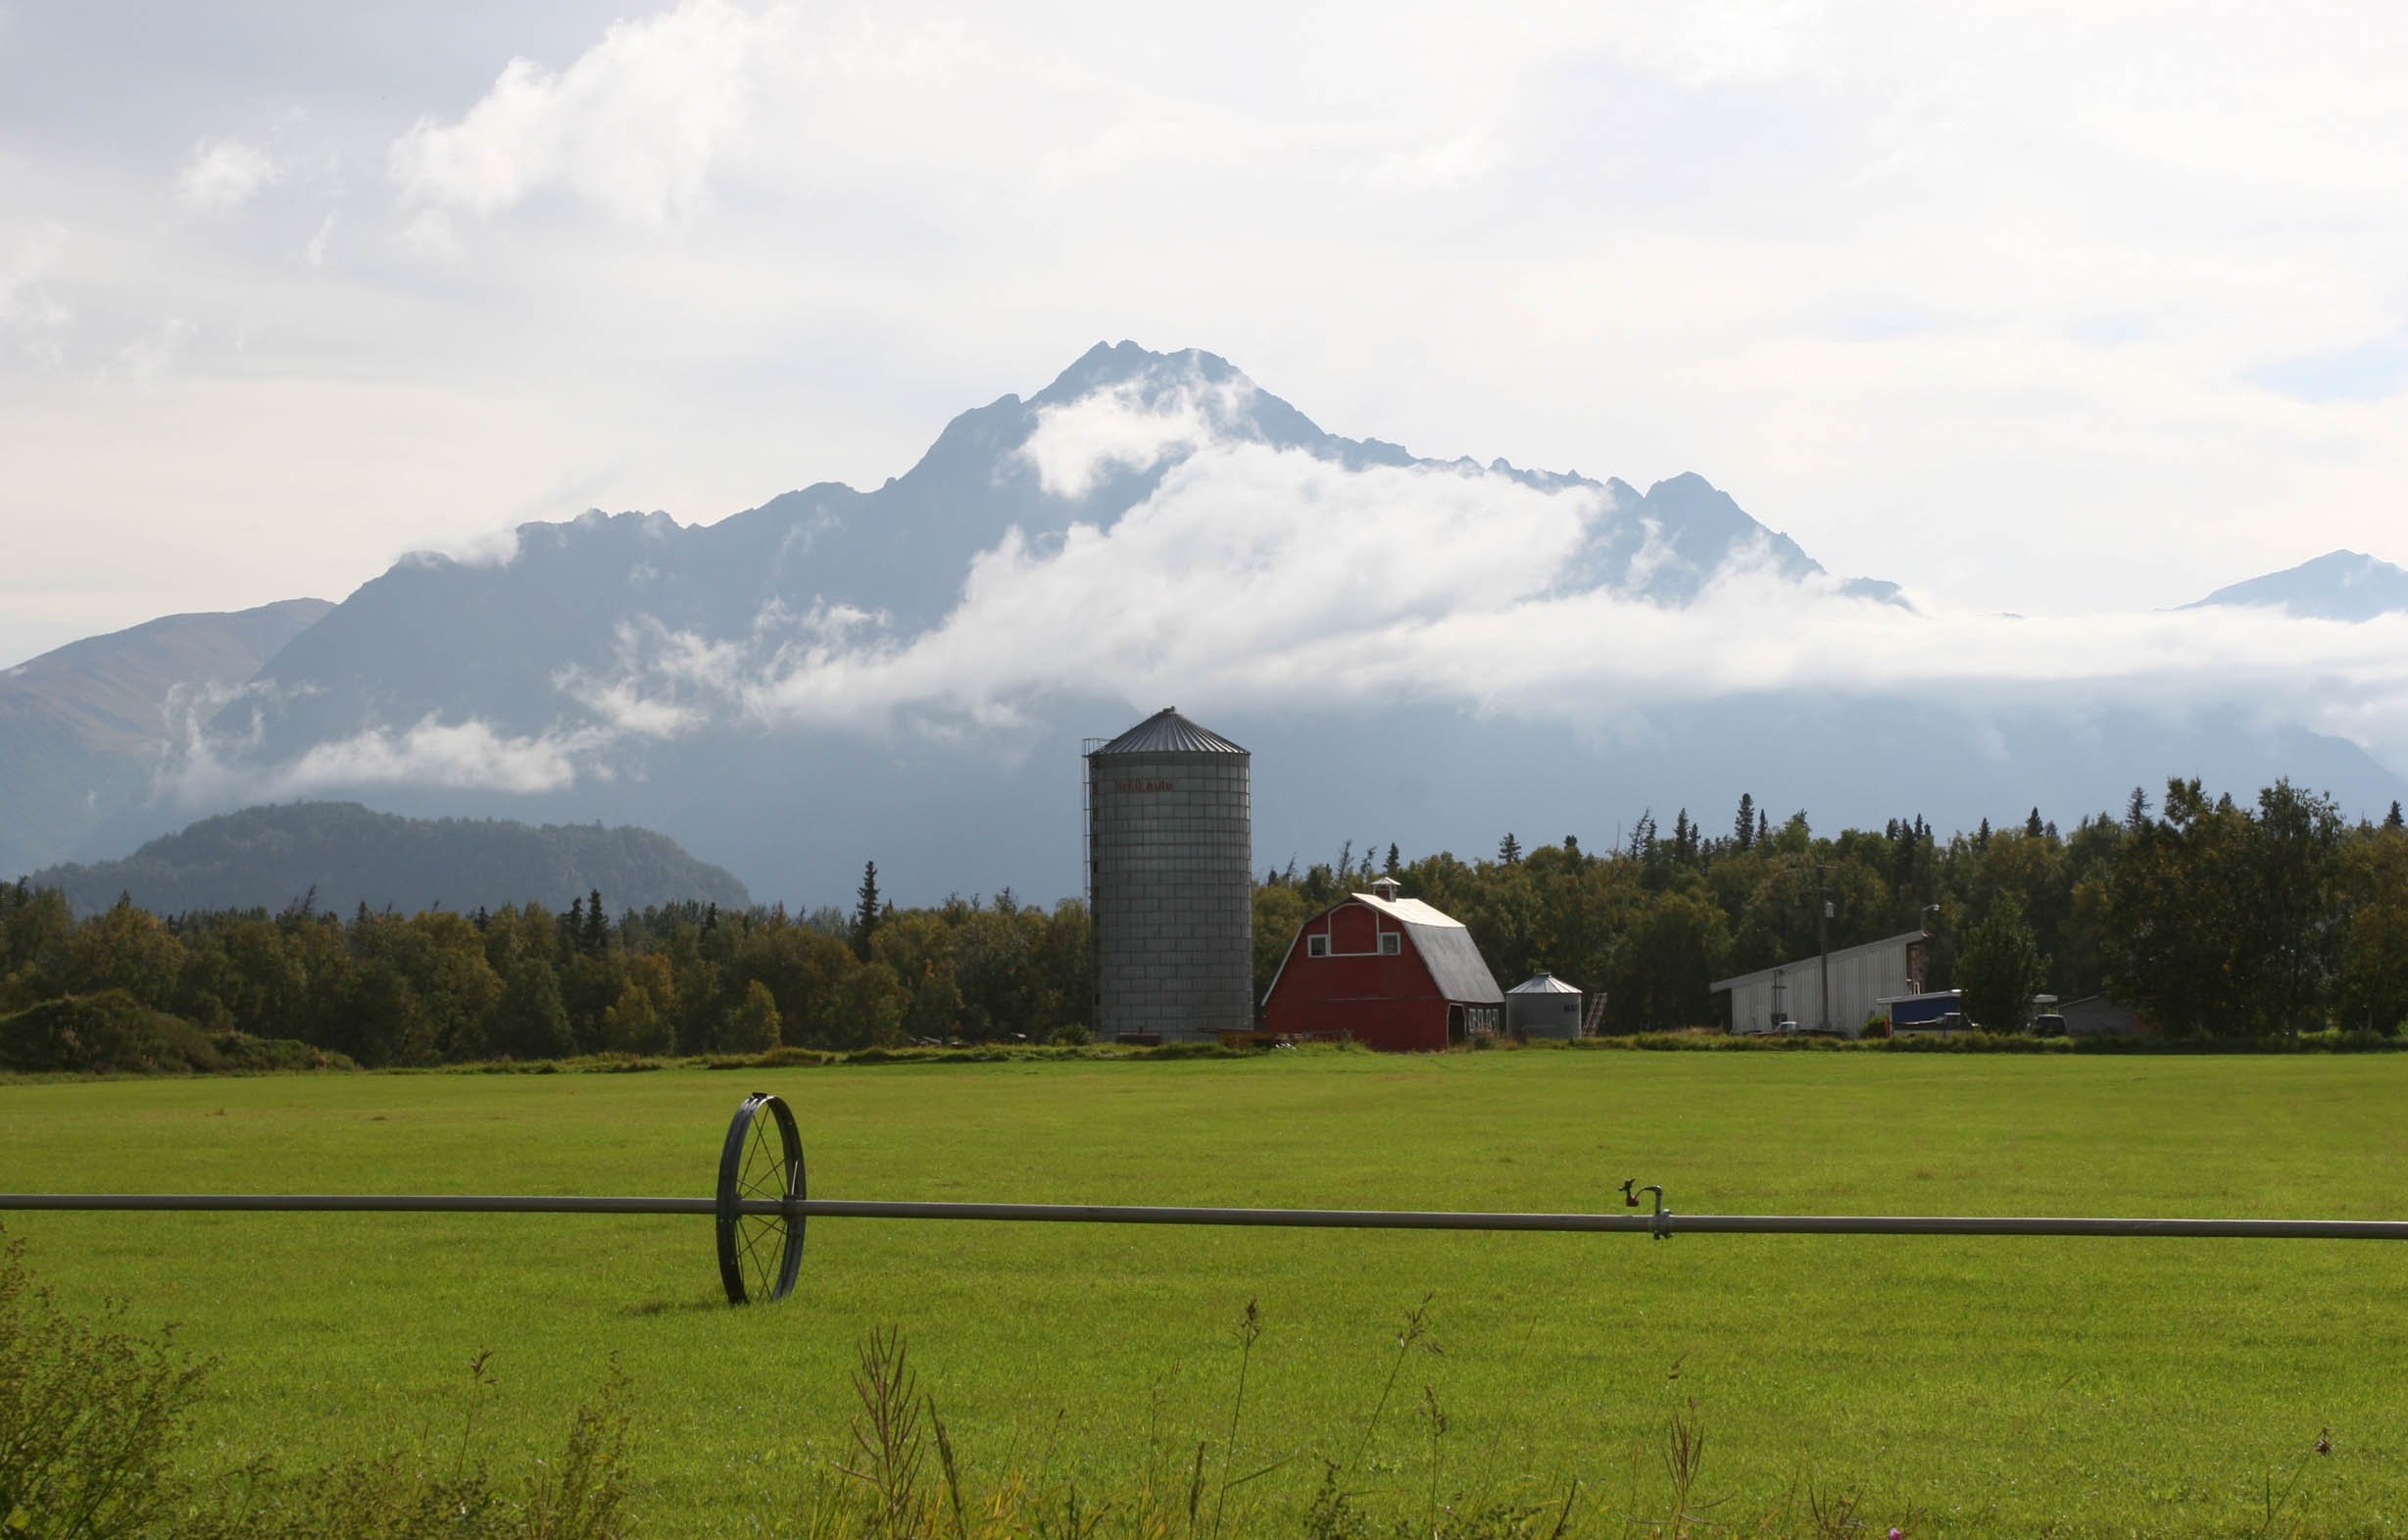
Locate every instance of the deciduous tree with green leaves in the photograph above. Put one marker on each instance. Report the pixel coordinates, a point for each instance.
(2000, 968)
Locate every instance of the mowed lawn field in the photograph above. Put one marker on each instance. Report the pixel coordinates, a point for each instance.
(1995, 1386)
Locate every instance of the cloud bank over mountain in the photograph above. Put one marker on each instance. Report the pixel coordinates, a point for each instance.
(1520, 647)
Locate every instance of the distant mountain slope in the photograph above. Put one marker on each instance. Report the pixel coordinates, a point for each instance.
(84, 727)
(269, 857)
(494, 642)
(2338, 585)
(1424, 651)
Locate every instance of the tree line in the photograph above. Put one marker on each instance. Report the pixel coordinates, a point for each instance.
(524, 982)
(2211, 917)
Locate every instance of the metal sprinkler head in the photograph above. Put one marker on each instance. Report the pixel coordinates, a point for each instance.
(1661, 1225)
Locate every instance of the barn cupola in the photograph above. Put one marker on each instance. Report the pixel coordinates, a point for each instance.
(1386, 889)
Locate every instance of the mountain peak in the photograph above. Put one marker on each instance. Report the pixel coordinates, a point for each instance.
(2338, 585)
(1110, 363)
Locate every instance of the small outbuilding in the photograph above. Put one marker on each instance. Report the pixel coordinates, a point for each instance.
(1543, 1005)
(2096, 1015)
(1389, 971)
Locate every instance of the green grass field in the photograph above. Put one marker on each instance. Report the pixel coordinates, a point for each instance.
(1998, 1386)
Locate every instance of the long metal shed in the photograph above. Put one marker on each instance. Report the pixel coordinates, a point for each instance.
(1860, 977)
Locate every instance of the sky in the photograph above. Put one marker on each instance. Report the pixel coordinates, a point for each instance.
(2071, 310)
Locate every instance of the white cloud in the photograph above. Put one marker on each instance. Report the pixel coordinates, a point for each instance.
(28, 309)
(226, 173)
(484, 548)
(433, 753)
(1444, 167)
(1134, 425)
(1268, 579)
(633, 126)
(148, 359)
(314, 253)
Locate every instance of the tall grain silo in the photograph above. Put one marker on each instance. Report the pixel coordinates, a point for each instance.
(1170, 850)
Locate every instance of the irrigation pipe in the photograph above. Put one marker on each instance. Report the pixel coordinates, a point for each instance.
(761, 1208)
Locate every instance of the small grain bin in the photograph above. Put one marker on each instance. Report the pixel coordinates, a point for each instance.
(1170, 853)
(1543, 1005)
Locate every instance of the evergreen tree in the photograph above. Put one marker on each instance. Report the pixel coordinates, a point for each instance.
(1981, 837)
(2032, 825)
(594, 938)
(1744, 827)
(2392, 819)
(1510, 850)
(1396, 865)
(1764, 829)
(867, 913)
(2136, 812)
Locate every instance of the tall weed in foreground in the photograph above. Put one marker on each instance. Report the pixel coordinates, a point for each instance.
(92, 1427)
(89, 1417)
(582, 1493)
(1201, 1486)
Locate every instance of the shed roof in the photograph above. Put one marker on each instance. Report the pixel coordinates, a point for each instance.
(1543, 983)
(1858, 950)
(1168, 733)
(1447, 949)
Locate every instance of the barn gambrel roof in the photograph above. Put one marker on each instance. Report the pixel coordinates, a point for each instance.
(1456, 964)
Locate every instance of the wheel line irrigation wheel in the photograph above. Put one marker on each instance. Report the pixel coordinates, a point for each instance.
(759, 1253)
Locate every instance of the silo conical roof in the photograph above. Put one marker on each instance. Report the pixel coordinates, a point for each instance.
(1543, 984)
(1168, 733)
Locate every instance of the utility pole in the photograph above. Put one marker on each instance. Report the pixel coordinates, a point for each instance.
(1822, 936)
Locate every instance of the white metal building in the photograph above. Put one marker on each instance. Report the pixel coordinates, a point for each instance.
(1860, 978)
(1542, 1007)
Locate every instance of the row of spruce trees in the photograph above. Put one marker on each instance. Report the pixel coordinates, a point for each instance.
(2212, 917)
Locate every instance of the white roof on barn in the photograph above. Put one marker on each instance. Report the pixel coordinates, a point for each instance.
(1456, 964)
(1544, 984)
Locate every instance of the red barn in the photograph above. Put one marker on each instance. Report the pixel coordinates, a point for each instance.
(1391, 972)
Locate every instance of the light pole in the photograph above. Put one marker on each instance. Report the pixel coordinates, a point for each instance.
(1923, 976)
(1822, 937)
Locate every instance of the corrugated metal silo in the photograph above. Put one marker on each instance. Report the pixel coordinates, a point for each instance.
(1543, 1005)
(1170, 850)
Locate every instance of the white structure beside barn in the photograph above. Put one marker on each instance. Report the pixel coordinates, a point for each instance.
(1792, 993)
(1544, 1006)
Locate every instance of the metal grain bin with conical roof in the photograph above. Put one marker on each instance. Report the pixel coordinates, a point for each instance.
(1171, 851)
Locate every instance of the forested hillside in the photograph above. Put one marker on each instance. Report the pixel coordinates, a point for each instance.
(341, 855)
(2214, 918)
